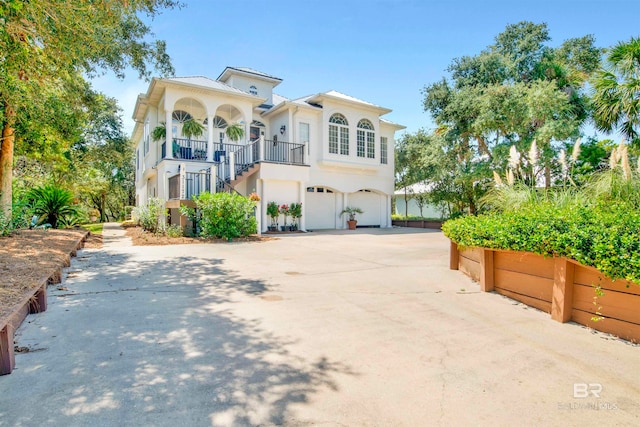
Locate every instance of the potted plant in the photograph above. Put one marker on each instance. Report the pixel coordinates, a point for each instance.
(159, 132)
(273, 211)
(285, 210)
(234, 131)
(93, 214)
(190, 128)
(296, 213)
(352, 216)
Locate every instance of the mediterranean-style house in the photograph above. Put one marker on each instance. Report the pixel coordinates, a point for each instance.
(327, 151)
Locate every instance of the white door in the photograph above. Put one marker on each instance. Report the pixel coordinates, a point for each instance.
(321, 209)
(371, 203)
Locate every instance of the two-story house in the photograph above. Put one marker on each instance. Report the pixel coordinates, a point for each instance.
(326, 151)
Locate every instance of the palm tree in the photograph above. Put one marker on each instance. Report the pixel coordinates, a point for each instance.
(616, 97)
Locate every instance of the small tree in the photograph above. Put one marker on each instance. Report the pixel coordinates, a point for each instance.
(226, 215)
(148, 216)
(54, 203)
(422, 199)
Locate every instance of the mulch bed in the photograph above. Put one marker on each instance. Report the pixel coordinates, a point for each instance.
(143, 238)
(28, 256)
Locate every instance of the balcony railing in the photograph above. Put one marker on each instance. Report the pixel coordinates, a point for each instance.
(284, 152)
(195, 183)
(246, 154)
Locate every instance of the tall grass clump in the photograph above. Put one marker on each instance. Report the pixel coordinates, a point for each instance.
(597, 224)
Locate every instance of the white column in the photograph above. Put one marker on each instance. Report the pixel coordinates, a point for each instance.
(183, 178)
(210, 138)
(232, 166)
(168, 135)
(260, 149)
(388, 210)
(303, 194)
(214, 179)
(262, 206)
(345, 203)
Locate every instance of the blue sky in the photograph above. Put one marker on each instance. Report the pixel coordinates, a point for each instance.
(382, 51)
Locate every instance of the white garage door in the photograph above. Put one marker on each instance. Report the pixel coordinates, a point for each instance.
(321, 209)
(371, 204)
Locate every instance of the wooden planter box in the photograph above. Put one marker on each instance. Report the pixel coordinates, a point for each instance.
(436, 225)
(33, 301)
(559, 286)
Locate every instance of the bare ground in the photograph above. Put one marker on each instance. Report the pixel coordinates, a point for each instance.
(28, 256)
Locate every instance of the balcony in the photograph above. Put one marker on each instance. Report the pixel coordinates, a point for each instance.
(273, 151)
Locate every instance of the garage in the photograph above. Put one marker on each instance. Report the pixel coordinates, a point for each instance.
(321, 209)
(372, 205)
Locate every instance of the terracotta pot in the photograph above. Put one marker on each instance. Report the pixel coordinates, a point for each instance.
(352, 224)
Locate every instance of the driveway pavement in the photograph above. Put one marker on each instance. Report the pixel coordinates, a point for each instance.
(327, 328)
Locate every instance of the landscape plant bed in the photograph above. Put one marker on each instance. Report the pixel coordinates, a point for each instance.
(560, 286)
(139, 237)
(29, 260)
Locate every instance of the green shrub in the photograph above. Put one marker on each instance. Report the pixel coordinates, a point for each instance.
(604, 236)
(174, 230)
(5, 224)
(225, 215)
(53, 203)
(149, 215)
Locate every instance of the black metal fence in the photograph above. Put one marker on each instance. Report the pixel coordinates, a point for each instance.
(284, 152)
(196, 183)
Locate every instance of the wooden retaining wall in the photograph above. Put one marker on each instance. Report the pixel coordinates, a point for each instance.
(417, 223)
(34, 301)
(559, 286)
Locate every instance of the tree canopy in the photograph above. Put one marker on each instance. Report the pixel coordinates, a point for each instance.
(46, 45)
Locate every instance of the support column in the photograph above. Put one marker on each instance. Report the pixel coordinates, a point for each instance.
(214, 180)
(302, 198)
(262, 206)
(562, 295)
(232, 166)
(168, 136)
(183, 181)
(345, 203)
(210, 138)
(260, 148)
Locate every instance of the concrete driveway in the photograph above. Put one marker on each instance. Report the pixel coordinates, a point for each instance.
(328, 328)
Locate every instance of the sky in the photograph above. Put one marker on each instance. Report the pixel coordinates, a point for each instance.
(381, 51)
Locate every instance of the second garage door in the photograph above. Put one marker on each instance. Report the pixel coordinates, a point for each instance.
(321, 209)
(371, 204)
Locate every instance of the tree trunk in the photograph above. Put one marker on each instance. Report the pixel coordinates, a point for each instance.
(547, 176)
(6, 159)
(406, 204)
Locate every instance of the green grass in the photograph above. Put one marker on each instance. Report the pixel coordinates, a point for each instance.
(93, 228)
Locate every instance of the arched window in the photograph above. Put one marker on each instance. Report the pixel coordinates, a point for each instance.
(253, 90)
(218, 122)
(338, 134)
(366, 139)
(180, 116)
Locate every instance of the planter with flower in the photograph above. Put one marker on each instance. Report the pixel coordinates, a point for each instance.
(286, 211)
(295, 210)
(351, 222)
(273, 212)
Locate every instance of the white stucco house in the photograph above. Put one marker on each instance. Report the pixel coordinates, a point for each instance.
(326, 151)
